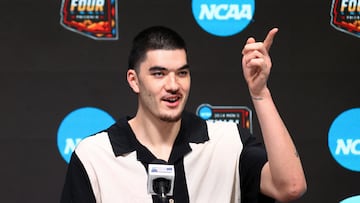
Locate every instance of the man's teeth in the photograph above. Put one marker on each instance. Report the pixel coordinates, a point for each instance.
(172, 99)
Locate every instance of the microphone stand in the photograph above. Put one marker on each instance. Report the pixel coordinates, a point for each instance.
(162, 187)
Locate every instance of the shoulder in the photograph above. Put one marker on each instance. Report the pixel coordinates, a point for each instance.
(93, 142)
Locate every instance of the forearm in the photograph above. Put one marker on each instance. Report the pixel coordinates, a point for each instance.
(284, 177)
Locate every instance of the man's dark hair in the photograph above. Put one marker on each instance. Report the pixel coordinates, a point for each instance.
(152, 38)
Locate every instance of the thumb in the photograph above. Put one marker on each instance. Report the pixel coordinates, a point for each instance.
(250, 40)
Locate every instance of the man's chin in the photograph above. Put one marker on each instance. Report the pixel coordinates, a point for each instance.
(171, 118)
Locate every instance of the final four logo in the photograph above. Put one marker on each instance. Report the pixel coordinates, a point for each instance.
(345, 16)
(96, 19)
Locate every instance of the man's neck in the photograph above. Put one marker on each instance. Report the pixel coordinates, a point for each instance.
(156, 135)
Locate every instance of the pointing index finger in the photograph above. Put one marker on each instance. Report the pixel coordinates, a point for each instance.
(269, 38)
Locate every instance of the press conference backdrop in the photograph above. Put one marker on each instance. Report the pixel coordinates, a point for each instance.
(63, 65)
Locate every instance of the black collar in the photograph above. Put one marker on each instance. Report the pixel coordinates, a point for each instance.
(192, 130)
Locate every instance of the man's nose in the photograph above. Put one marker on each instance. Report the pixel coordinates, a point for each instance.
(172, 83)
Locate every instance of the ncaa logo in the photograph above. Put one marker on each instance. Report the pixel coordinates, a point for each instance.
(344, 139)
(79, 124)
(354, 199)
(223, 17)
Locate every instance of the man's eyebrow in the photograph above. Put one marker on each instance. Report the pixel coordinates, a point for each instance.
(157, 68)
(186, 66)
(160, 68)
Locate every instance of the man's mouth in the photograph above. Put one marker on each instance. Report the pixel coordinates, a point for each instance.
(172, 99)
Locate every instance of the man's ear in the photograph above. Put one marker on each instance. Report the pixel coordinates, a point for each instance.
(132, 79)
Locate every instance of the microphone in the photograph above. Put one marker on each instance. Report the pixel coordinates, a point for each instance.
(161, 178)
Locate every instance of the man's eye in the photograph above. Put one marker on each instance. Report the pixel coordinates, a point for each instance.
(183, 73)
(157, 74)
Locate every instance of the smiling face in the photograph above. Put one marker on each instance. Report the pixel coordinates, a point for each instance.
(162, 83)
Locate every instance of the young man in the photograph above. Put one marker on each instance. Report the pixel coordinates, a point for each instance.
(214, 162)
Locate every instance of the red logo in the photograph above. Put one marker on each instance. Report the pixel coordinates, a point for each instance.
(96, 19)
(345, 16)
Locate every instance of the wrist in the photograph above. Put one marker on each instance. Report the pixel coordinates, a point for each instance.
(257, 98)
(261, 95)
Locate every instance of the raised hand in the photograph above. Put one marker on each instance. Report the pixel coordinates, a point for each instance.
(257, 64)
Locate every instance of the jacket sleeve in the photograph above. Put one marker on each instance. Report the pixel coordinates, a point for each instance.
(252, 159)
(77, 187)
